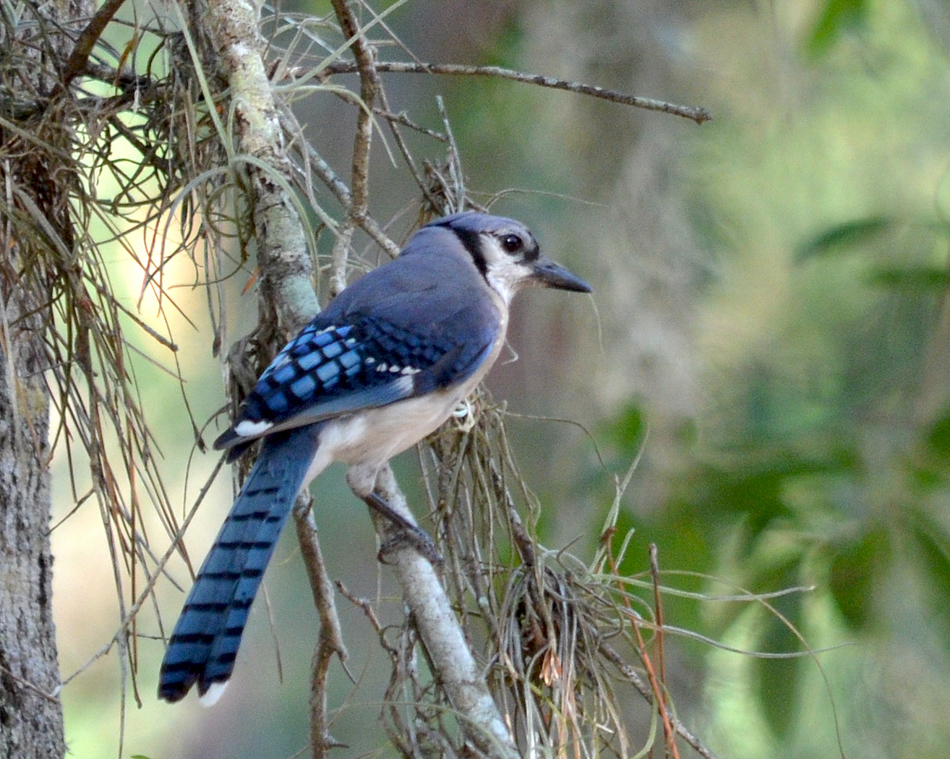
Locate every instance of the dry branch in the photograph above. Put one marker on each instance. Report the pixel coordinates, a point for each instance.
(330, 640)
(693, 113)
(438, 626)
(282, 250)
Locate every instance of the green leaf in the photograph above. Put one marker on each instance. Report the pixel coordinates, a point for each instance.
(916, 279)
(856, 572)
(939, 438)
(628, 432)
(842, 238)
(779, 680)
(757, 491)
(838, 17)
(934, 542)
(929, 467)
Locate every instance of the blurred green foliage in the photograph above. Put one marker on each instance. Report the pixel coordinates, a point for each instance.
(835, 18)
(822, 458)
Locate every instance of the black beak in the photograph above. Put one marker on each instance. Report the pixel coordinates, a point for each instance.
(549, 274)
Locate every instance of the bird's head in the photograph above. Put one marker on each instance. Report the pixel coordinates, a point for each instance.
(507, 255)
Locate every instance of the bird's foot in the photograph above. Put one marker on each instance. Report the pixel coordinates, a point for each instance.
(407, 534)
(417, 539)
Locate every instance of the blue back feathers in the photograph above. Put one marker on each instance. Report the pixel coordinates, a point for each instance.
(400, 320)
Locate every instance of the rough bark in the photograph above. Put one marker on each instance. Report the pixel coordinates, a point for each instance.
(37, 40)
(282, 252)
(31, 718)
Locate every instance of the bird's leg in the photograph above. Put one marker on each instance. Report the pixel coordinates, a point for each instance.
(375, 490)
(407, 531)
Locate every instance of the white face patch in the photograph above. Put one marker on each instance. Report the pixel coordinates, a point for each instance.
(506, 273)
(507, 279)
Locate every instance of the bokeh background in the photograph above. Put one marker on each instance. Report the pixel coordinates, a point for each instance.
(769, 336)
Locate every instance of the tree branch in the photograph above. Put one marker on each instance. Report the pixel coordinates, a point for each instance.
(435, 619)
(76, 63)
(282, 251)
(369, 86)
(330, 640)
(693, 113)
(285, 268)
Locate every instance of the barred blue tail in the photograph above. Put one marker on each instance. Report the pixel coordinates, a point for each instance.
(206, 638)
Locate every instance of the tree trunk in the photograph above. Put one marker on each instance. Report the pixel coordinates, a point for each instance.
(38, 41)
(31, 719)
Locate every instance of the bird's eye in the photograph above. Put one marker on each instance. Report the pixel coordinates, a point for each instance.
(512, 243)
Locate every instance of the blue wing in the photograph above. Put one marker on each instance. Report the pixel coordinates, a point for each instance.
(387, 337)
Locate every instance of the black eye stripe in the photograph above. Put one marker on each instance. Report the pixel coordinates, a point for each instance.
(516, 245)
(473, 245)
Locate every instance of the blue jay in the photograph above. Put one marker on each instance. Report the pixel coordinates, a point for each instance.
(375, 372)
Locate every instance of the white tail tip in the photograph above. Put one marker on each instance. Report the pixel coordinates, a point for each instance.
(214, 692)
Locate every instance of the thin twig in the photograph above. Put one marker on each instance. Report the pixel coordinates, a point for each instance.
(29, 686)
(76, 64)
(342, 193)
(660, 647)
(631, 675)
(455, 200)
(394, 119)
(330, 640)
(657, 684)
(369, 86)
(658, 687)
(403, 118)
(693, 113)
